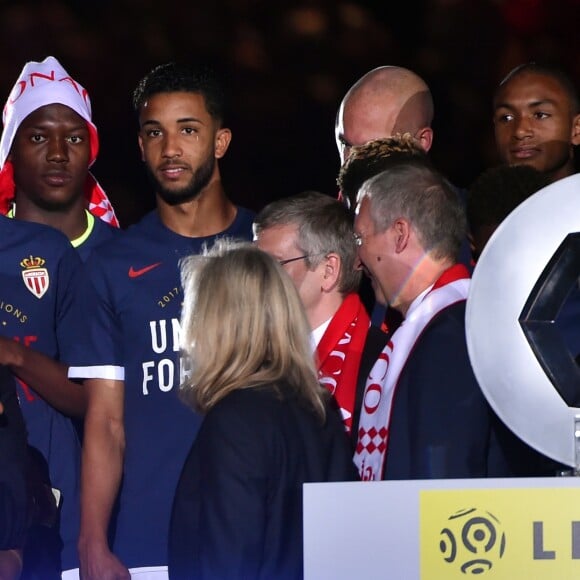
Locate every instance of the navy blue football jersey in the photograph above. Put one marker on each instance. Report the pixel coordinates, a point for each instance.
(97, 233)
(39, 274)
(131, 307)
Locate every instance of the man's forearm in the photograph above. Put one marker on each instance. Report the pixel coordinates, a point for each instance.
(103, 451)
(47, 377)
(102, 468)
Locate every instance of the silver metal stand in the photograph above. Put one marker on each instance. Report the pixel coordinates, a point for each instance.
(576, 471)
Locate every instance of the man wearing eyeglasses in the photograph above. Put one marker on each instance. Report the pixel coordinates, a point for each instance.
(424, 415)
(311, 235)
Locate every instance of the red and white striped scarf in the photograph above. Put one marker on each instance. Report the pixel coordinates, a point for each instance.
(339, 354)
(373, 433)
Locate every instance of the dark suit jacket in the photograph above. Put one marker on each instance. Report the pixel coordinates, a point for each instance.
(441, 424)
(238, 507)
(374, 343)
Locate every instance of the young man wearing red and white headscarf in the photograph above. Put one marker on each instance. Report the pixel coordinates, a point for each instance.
(48, 144)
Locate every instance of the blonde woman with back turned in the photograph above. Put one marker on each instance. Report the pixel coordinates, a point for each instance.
(268, 426)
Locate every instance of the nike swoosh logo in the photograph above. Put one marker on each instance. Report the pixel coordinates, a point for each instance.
(136, 273)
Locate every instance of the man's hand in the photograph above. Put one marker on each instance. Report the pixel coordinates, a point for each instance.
(99, 563)
(11, 352)
(10, 564)
(46, 376)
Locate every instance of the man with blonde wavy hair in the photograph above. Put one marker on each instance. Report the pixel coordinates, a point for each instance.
(366, 161)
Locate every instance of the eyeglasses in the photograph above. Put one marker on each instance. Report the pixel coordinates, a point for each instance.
(359, 238)
(304, 257)
(287, 261)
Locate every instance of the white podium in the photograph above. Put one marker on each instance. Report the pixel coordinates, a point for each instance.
(443, 529)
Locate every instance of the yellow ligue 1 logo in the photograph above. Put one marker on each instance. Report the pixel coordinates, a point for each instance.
(472, 540)
(500, 534)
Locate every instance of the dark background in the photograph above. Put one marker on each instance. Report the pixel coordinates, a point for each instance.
(288, 64)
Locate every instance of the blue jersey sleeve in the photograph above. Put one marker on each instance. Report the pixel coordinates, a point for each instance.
(97, 351)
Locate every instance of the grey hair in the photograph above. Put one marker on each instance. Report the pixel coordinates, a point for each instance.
(325, 226)
(417, 192)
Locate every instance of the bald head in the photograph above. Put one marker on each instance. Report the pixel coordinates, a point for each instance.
(386, 101)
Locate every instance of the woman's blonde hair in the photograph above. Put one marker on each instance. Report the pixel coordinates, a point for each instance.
(243, 325)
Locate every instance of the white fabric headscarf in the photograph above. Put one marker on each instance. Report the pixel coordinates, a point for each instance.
(47, 83)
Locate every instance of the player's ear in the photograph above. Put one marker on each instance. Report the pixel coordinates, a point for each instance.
(140, 140)
(425, 138)
(223, 138)
(575, 138)
(332, 266)
(402, 230)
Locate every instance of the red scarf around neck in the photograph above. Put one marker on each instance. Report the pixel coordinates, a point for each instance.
(373, 433)
(339, 354)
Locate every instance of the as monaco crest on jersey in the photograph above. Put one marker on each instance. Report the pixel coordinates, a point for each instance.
(35, 277)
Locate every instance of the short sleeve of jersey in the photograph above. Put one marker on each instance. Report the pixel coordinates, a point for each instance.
(97, 352)
(40, 276)
(129, 292)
